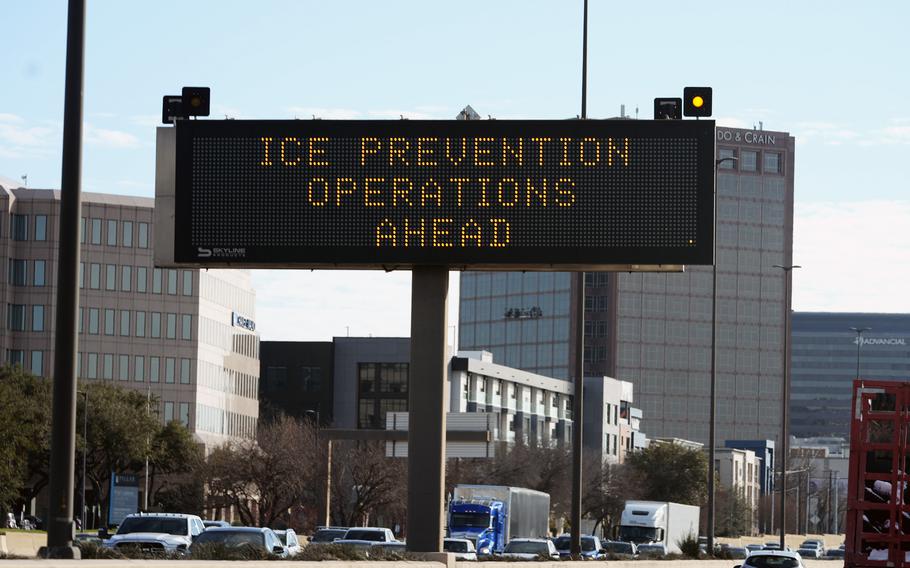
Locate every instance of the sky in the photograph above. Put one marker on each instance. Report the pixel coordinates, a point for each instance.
(831, 73)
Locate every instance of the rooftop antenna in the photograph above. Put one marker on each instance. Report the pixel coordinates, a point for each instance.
(761, 125)
(622, 111)
(636, 112)
(25, 180)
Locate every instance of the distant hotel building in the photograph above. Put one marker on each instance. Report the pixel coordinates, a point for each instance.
(654, 330)
(185, 336)
(826, 357)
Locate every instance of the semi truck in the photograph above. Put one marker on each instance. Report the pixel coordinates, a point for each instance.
(491, 515)
(877, 494)
(658, 522)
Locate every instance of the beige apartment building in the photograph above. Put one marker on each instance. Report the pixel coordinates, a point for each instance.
(185, 336)
(738, 470)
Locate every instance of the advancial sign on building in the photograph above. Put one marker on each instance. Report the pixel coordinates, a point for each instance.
(493, 194)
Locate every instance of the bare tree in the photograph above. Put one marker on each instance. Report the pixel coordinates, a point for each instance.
(366, 484)
(265, 478)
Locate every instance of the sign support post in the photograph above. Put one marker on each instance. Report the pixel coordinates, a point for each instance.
(427, 408)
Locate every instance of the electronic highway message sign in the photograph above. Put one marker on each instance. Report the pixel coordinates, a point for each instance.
(489, 194)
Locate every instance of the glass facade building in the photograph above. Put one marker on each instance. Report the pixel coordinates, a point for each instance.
(827, 355)
(654, 330)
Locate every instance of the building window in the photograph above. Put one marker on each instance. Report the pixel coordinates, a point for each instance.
(124, 323)
(108, 367)
(185, 371)
(311, 377)
(108, 321)
(139, 369)
(186, 326)
(18, 228)
(123, 368)
(127, 234)
(154, 369)
(38, 278)
(185, 414)
(140, 324)
(771, 162)
(94, 281)
(143, 235)
(172, 326)
(96, 231)
(156, 281)
(383, 388)
(111, 232)
(37, 318)
(126, 278)
(40, 233)
(170, 368)
(92, 364)
(749, 161)
(187, 282)
(38, 363)
(18, 270)
(142, 277)
(723, 157)
(93, 321)
(168, 412)
(15, 317)
(110, 282)
(156, 325)
(15, 356)
(81, 275)
(82, 230)
(172, 282)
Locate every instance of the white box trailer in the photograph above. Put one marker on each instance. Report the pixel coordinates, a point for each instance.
(658, 522)
(513, 512)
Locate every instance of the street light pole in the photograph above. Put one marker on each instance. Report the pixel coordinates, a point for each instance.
(84, 450)
(712, 406)
(784, 405)
(859, 342)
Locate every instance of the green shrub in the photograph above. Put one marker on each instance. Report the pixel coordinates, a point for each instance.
(689, 546)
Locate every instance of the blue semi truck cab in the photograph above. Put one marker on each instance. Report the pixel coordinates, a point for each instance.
(491, 515)
(480, 520)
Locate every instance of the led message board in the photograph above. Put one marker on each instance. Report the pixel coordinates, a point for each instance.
(491, 194)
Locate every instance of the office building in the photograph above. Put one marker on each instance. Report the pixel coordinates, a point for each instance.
(364, 385)
(654, 330)
(187, 337)
(827, 355)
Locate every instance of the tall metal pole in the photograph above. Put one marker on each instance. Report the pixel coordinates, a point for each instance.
(578, 399)
(426, 408)
(84, 450)
(63, 427)
(712, 404)
(785, 405)
(859, 342)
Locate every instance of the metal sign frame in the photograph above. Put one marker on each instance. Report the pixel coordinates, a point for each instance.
(179, 167)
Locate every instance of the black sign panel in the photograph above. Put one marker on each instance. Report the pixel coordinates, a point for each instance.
(462, 194)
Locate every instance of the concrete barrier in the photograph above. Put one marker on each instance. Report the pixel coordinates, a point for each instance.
(23, 543)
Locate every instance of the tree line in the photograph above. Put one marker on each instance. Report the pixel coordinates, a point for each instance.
(278, 478)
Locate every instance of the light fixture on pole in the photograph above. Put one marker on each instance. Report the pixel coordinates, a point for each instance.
(784, 451)
(859, 343)
(712, 420)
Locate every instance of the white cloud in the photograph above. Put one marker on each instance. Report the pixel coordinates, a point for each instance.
(6, 117)
(732, 122)
(109, 138)
(326, 113)
(18, 140)
(855, 256)
(317, 305)
(146, 120)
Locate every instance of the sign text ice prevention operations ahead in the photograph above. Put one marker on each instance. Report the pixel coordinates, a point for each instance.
(475, 194)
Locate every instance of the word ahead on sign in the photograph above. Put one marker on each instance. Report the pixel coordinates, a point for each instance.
(512, 195)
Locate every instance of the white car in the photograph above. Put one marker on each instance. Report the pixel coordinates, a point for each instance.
(530, 549)
(290, 541)
(462, 548)
(772, 559)
(157, 532)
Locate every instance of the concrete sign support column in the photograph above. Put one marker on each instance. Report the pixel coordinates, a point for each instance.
(426, 407)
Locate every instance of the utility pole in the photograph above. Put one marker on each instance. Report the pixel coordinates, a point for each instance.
(63, 427)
